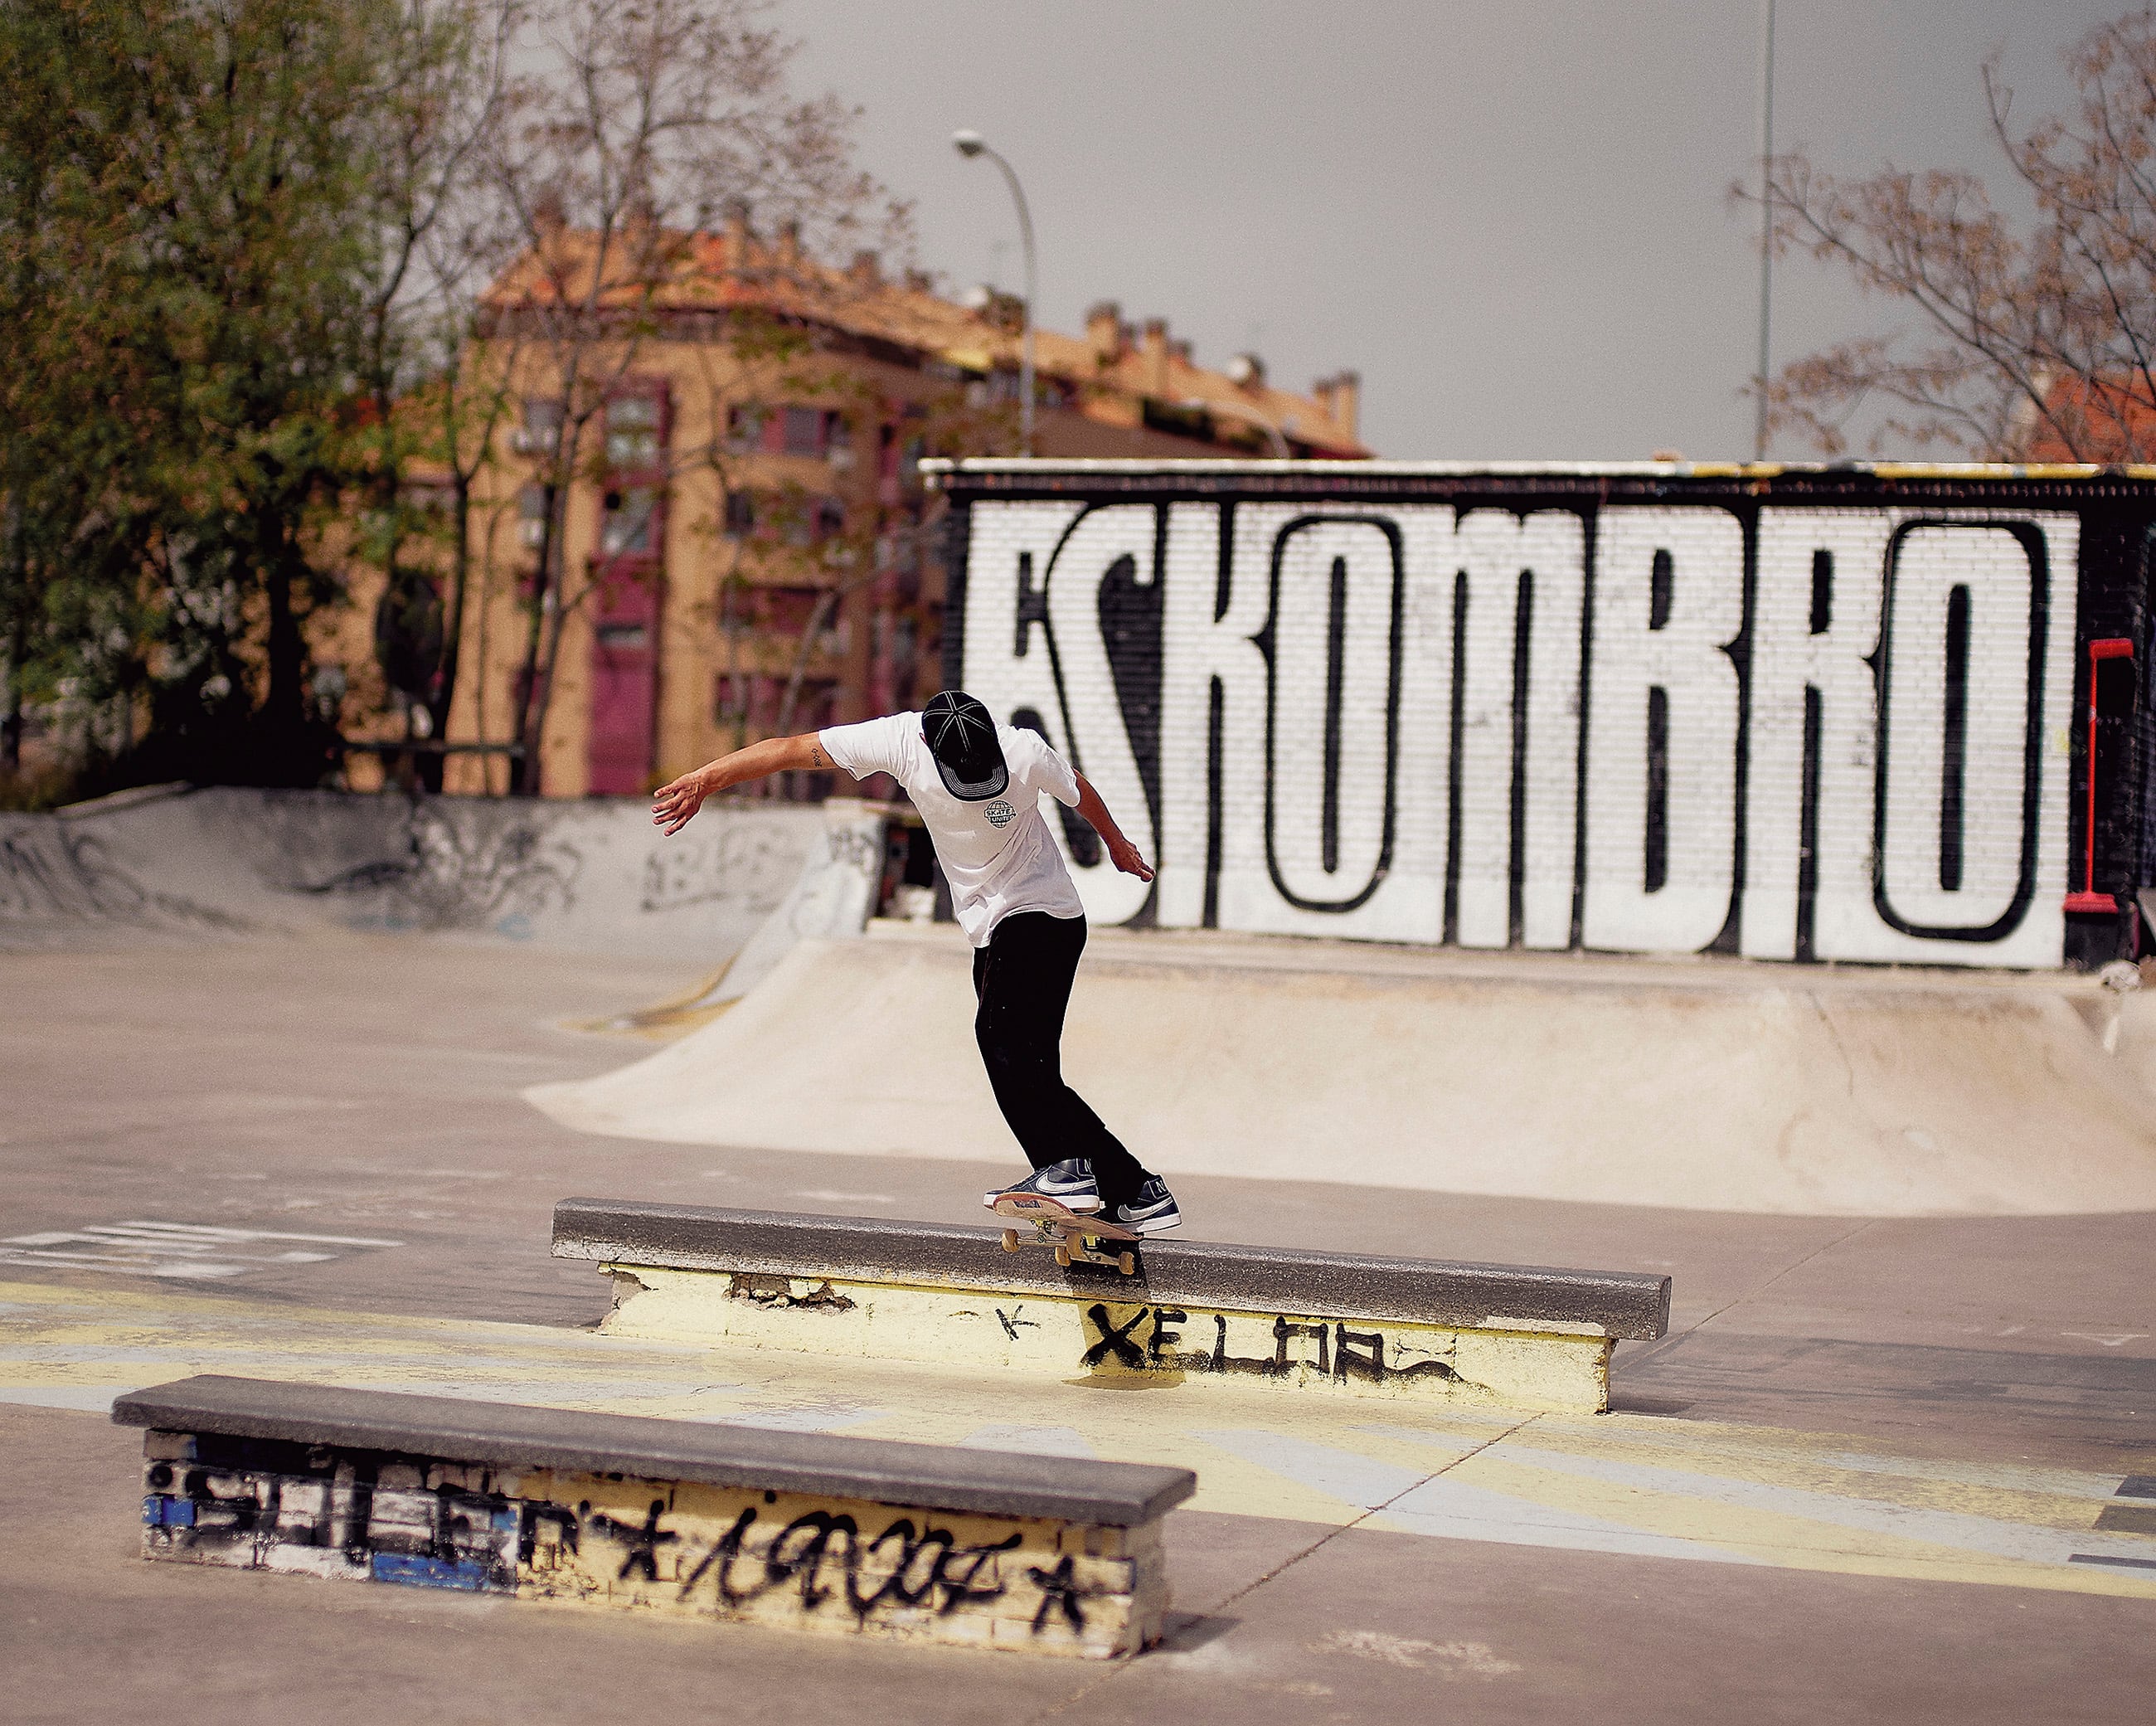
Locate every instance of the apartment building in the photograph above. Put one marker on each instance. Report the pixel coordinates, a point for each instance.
(740, 544)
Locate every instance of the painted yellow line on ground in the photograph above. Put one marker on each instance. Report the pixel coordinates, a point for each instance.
(1615, 1483)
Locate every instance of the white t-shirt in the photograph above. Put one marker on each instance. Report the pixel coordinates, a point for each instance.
(998, 855)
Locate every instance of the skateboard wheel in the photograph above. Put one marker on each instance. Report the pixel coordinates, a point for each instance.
(1062, 1256)
(1127, 1263)
(1010, 1240)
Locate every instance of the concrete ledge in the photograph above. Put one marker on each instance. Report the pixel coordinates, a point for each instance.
(1526, 1337)
(1350, 1286)
(803, 1531)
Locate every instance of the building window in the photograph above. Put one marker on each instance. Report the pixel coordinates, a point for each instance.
(814, 433)
(744, 427)
(740, 514)
(541, 432)
(802, 430)
(631, 519)
(631, 431)
(531, 516)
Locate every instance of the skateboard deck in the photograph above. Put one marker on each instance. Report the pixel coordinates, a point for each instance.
(1072, 1235)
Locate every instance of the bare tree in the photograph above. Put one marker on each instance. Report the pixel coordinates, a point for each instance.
(436, 400)
(645, 121)
(2041, 341)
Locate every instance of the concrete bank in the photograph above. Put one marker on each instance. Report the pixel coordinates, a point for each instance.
(1194, 1311)
(801, 1531)
(595, 875)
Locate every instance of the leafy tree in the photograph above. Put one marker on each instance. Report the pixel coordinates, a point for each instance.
(189, 274)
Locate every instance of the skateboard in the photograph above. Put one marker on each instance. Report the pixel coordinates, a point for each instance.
(1073, 1235)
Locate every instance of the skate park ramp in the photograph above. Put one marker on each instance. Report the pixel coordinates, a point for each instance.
(1694, 1084)
(176, 863)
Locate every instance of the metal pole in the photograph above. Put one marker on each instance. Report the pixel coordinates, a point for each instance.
(1766, 226)
(1025, 354)
(970, 144)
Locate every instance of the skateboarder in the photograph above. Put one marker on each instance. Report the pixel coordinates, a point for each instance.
(977, 786)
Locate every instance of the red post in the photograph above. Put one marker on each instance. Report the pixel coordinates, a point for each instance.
(2088, 900)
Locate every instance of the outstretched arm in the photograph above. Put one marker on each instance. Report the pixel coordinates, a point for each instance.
(673, 805)
(1124, 856)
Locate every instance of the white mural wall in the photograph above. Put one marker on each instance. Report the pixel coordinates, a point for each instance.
(1831, 732)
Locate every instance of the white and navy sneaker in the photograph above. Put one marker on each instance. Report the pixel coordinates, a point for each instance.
(1151, 1212)
(1069, 1183)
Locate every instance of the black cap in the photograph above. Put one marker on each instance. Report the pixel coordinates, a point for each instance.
(961, 737)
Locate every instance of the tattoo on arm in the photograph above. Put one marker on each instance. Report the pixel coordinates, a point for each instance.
(816, 755)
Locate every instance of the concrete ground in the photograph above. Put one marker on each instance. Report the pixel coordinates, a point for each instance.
(367, 1089)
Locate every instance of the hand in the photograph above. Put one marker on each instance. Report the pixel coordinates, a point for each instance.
(673, 805)
(1127, 857)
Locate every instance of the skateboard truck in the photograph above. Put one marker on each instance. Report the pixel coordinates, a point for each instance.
(1072, 1236)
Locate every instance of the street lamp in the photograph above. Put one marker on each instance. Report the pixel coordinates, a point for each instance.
(969, 143)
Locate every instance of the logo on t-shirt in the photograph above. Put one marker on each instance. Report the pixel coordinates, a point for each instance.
(1000, 814)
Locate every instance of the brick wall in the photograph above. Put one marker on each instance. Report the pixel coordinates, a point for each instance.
(1835, 714)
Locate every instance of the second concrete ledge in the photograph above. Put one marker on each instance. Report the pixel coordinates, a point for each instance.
(1524, 1337)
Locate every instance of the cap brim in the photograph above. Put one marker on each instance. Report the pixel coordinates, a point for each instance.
(974, 791)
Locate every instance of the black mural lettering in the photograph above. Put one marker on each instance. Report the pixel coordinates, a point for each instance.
(643, 1543)
(1221, 1361)
(1283, 1333)
(1369, 1363)
(1161, 1343)
(356, 1490)
(1058, 1589)
(820, 1526)
(1954, 766)
(1114, 1338)
(567, 1528)
(1336, 655)
(1129, 629)
(1704, 805)
(1012, 1322)
(894, 1587)
(724, 1551)
(1032, 607)
(961, 1587)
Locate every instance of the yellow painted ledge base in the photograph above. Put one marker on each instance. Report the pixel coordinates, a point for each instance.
(1087, 1337)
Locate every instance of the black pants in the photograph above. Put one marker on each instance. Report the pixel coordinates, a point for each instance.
(1022, 978)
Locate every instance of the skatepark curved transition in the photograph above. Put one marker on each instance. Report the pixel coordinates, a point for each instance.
(1704, 1086)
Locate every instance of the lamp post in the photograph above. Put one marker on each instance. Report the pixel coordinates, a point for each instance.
(969, 143)
(1766, 224)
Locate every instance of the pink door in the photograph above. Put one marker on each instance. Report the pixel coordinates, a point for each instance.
(629, 573)
(624, 685)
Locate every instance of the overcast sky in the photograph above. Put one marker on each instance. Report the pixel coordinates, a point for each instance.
(1510, 219)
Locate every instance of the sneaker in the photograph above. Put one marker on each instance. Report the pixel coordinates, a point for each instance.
(1150, 1212)
(1069, 1183)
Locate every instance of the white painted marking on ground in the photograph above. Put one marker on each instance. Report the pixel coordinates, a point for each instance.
(825, 1195)
(2110, 1340)
(1032, 1441)
(198, 1252)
